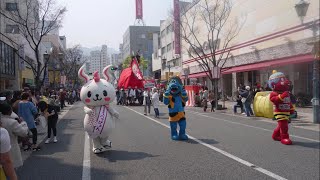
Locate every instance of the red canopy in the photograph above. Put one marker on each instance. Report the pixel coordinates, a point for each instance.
(127, 78)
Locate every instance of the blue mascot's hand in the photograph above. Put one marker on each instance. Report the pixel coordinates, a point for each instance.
(167, 93)
(184, 93)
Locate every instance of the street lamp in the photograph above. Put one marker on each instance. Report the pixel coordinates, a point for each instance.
(168, 66)
(46, 57)
(302, 8)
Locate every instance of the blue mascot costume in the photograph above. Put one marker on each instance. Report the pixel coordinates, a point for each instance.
(175, 97)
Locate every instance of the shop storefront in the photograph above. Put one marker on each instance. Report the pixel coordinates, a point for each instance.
(8, 72)
(297, 68)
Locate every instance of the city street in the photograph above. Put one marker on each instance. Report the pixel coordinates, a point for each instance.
(221, 146)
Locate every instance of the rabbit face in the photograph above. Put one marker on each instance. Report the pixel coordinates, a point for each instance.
(97, 93)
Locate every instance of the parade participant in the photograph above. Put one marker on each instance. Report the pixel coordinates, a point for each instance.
(97, 95)
(280, 97)
(175, 97)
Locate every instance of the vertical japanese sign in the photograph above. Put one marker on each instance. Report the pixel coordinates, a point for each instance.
(176, 16)
(139, 11)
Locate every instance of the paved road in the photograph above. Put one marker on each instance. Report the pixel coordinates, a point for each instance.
(221, 147)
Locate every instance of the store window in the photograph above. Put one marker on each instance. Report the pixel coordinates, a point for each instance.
(14, 29)
(11, 6)
(7, 59)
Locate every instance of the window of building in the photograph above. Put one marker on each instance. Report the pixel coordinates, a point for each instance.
(169, 29)
(169, 47)
(143, 36)
(163, 50)
(14, 29)
(163, 33)
(11, 6)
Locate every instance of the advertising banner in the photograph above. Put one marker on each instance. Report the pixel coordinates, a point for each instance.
(139, 11)
(176, 16)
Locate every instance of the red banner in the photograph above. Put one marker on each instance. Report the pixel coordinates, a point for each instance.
(139, 11)
(176, 16)
(135, 69)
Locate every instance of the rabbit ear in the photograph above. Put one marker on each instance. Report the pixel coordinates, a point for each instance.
(82, 75)
(108, 73)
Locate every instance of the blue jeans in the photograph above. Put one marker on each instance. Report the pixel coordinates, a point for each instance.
(156, 111)
(247, 108)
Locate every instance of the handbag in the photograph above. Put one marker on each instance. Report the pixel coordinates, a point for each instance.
(243, 100)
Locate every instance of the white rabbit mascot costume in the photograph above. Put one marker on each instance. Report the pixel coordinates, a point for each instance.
(97, 94)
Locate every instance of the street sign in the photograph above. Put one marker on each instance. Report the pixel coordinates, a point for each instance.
(149, 84)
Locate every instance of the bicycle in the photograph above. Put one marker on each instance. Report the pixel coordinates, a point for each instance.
(303, 100)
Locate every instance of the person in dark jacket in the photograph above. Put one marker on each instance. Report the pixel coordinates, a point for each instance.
(247, 98)
(239, 104)
(52, 122)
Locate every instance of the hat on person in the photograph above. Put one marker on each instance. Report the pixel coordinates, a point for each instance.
(248, 88)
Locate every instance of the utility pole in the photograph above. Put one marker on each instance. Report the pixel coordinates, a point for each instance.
(315, 99)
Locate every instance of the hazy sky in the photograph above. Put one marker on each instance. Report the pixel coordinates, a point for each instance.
(96, 22)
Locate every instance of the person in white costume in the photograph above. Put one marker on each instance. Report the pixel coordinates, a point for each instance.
(97, 95)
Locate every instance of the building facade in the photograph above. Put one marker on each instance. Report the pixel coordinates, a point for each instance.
(170, 62)
(14, 72)
(99, 59)
(140, 39)
(272, 38)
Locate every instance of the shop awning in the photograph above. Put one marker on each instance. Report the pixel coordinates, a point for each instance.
(268, 64)
(197, 75)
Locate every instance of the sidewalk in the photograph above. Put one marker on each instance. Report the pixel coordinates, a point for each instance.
(42, 136)
(303, 121)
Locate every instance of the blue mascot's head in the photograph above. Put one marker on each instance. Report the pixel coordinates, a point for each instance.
(175, 85)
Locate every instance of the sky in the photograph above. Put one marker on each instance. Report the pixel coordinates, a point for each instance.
(92, 23)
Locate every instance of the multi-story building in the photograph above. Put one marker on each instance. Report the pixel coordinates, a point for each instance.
(14, 47)
(95, 61)
(63, 41)
(99, 59)
(165, 54)
(121, 58)
(272, 38)
(105, 56)
(156, 57)
(115, 59)
(140, 38)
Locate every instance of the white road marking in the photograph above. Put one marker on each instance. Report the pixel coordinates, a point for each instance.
(86, 171)
(268, 121)
(244, 162)
(232, 122)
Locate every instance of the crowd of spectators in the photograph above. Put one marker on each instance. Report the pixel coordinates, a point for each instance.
(21, 115)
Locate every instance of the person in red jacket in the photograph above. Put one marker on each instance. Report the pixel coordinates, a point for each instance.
(280, 97)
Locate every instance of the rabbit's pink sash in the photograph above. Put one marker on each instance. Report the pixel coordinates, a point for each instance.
(99, 121)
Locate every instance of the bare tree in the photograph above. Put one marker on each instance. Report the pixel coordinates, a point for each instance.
(36, 19)
(71, 62)
(210, 46)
